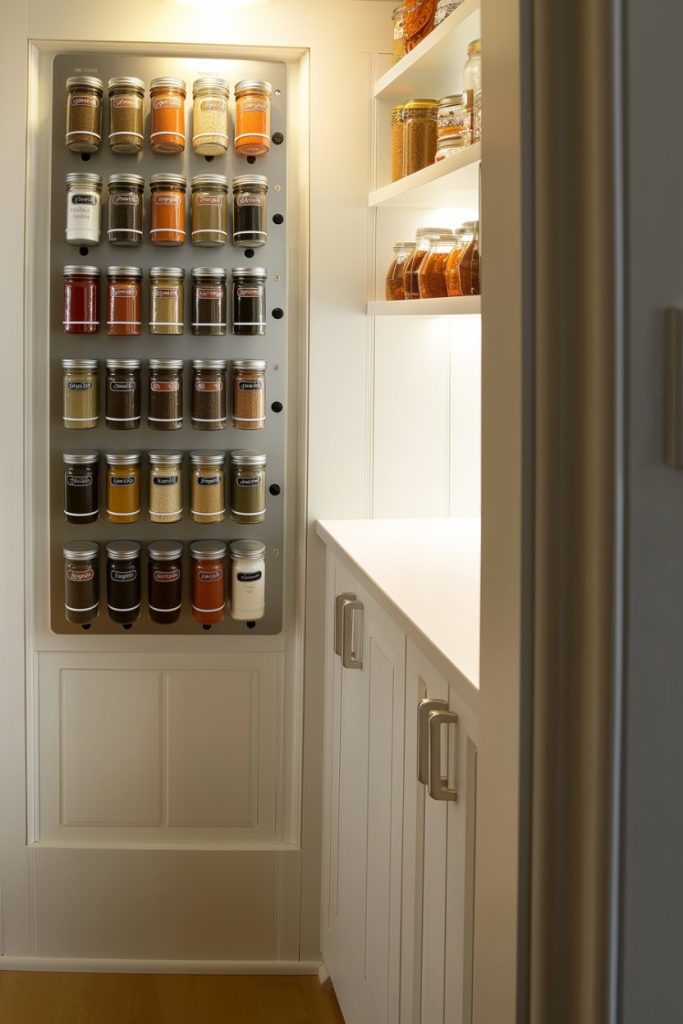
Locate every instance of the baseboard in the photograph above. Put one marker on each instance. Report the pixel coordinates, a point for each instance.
(82, 965)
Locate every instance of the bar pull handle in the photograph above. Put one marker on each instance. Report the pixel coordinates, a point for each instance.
(438, 785)
(340, 601)
(352, 646)
(674, 388)
(424, 707)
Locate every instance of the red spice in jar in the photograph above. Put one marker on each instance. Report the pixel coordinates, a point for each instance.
(168, 209)
(252, 117)
(81, 300)
(124, 301)
(208, 581)
(167, 101)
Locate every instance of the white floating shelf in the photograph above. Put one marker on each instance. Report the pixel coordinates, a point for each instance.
(452, 182)
(468, 305)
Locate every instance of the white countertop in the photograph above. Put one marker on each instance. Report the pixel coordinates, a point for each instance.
(426, 572)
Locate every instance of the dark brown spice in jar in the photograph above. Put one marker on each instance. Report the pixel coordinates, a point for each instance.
(125, 209)
(122, 406)
(249, 394)
(208, 301)
(123, 582)
(81, 582)
(164, 581)
(209, 406)
(209, 209)
(394, 284)
(126, 96)
(249, 211)
(124, 301)
(165, 404)
(84, 113)
(81, 486)
(431, 277)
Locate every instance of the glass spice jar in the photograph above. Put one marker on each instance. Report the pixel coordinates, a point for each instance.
(249, 394)
(208, 301)
(247, 580)
(123, 486)
(419, 135)
(126, 98)
(81, 300)
(209, 405)
(453, 124)
(124, 591)
(83, 113)
(209, 209)
(165, 487)
(81, 486)
(165, 400)
(411, 266)
(247, 486)
(471, 84)
(125, 209)
(164, 581)
(166, 300)
(398, 48)
(208, 581)
(431, 276)
(83, 207)
(249, 300)
(122, 403)
(81, 582)
(397, 142)
(252, 117)
(124, 301)
(464, 236)
(444, 8)
(249, 210)
(80, 393)
(394, 288)
(207, 492)
(210, 116)
(167, 122)
(167, 224)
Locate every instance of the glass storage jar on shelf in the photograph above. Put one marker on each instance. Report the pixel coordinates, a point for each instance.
(249, 394)
(247, 580)
(81, 486)
(209, 404)
(164, 581)
(453, 124)
(167, 221)
(209, 209)
(249, 229)
(208, 581)
(81, 582)
(471, 83)
(394, 286)
(81, 300)
(123, 486)
(252, 117)
(411, 267)
(167, 121)
(83, 208)
(165, 487)
(210, 116)
(397, 142)
(207, 491)
(465, 235)
(208, 301)
(126, 98)
(398, 47)
(249, 300)
(124, 591)
(419, 135)
(247, 486)
(444, 8)
(80, 393)
(124, 301)
(84, 113)
(469, 265)
(125, 209)
(122, 403)
(165, 398)
(166, 300)
(431, 276)
(418, 21)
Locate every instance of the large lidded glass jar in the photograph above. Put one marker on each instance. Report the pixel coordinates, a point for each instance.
(126, 98)
(81, 300)
(247, 580)
(394, 288)
(124, 301)
(419, 135)
(469, 265)
(471, 83)
(247, 486)
(453, 123)
(165, 487)
(81, 582)
(122, 404)
(208, 301)
(167, 221)
(165, 581)
(166, 300)
(208, 581)
(210, 116)
(80, 393)
(249, 300)
(83, 208)
(81, 486)
(84, 113)
(209, 405)
(165, 400)
(431, 276)
(123, 486)
(125, 209)
(209, 209)
(252, 117)
(167, 101)
(249, 394)
(465, 235)
(207, 492)
(411, 266)
(124, 591)
(249, 211)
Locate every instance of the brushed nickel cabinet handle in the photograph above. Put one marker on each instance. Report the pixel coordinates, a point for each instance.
(438, 785)
(340, 601)
(424, 707)
(352, 640)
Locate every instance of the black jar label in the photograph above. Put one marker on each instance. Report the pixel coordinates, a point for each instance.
(164, 481)
(79, 385)
(125, 199)
(208, 481)
(80, 479)
(122, 385)
(250, 385)
(210, 575)
(80, 575)
(248, 481)
(122, 481)
(250, 199)
(249, 577)
(83, 199)
(166, 575)
(249, 291)
(125, 576)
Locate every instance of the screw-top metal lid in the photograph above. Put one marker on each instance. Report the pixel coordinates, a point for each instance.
(459, 99)
(124, 272)
(79, 364)
(165, 550)
(84, 180)
(217, 272)
(212, 83)
(470, 227)
(251, 85)
(242, 457)
(258, 181)
(474, 48)
(165, 178)
(136, 180)
(424, 232)
(123, 364)
(122, 458)
(420, 105)
(166, 272)
(403, 246)
(209, 364)
(81, 550)
(213, 180)
(249, 364)
(73, 270)
(167, 83)
(247, 549)
(201, 549)
(81, 457)
(123, 550)
(87, 80)
(127, 82)
(173, 457)
(165, 364)
(205, 458)
(249, 272)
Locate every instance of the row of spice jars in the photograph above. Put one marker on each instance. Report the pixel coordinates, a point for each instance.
(209, 209)
(244, 595)
(210, 136)
(166, 301)
(245, 486)
(440, 263)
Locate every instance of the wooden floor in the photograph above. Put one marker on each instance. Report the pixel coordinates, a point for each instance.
(32, 998)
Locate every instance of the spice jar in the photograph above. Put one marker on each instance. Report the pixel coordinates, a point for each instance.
(167, 225)
(418, 21)
(249, 210)
(81, 300)
(412, 264)
(471, 84)
(165, 400)
(123, 582)
(81, 486)
(252, 118)
(167, 101)
(83, 113)
(81, 582)
(444, 8)
(398, 48)
(80, 393)
(83, 208)
(397, 142)
(123, 486)
(124, 301)
(468, 266)
(431, 276)
(209, 406)
(208, 301)
(208, 581)
(247, 486)
(419, 135)
(249, 300)
(164, 581)
(166, 300)
(208, 487)
(125, 209)
(249, 394)
(210, 116)
(165, 487)
(126, 96)
(453, 124)
(122, 403)
(209, 209)
(394, 287)
(247, 580)
(463, 237)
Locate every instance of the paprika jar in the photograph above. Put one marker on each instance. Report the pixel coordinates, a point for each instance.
(81, 300)
(167, 225)
(247, 580)
(167, 101)
(125, 209)
(209, 406)
(81, 486)
(419, 135)
(209, 209)
(164, 581)
(165, 400)
(123, 486)
(124, 301)
(431, 276)
(249, 394)
(252, 117)
(80, 393)
(411, 266)
(122, 403)
(84, 113)
(247, 486)
(124, 592)
(468, 266)
(210, 116)
(249, 300)
(394, 288)
(126, 97)
(465, 234)
(165, 487)
(249, 211)
(208, 301)
(166, 300)
(81, 582)
(208, 487)
(208, 581)
(83, 208)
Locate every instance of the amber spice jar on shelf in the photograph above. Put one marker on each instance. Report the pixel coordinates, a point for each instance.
(167, 101)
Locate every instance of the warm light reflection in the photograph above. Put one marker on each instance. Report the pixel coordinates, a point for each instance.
(218, 5)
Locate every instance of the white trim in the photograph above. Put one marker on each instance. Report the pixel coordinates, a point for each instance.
(110, 966)
(213, 135)
(137, 135)
(250, 135)
(208, 611)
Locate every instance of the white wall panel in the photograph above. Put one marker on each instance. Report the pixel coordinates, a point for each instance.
(465, 417)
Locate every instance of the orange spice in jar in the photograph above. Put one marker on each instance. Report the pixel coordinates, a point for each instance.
(431, 277)
(208, 581)
(168, 209)
(252, 117)
(394, 285)
(464, 236)
(167, 98)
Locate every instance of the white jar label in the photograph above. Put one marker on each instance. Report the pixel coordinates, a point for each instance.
(208, 200)
(249, 292)
(83, 213)
(208, 385)
(123, 291)
(218, 105)
(84, 101)
(166, 575)
(250, 199)
(209, 292)
(165, 293)
(165, 199)
(80, 575)
(165, 385)
(252, 105)
(126, 102)
(125, 199)
(210, 575)
(79, 479)
(166, 103)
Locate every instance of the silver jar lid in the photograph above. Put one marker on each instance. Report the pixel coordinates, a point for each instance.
(247, 549)
(209, 82)
(423, 232)
(251, 85)
(201, 549)
(250, 181)
(403, 245)
(209, 364)
(242, 457)
(165, 550)
(172, 457)
(122, 458)
(212, 180)
(81, 457)
(166, 272)
(459, 99)
(205, 458)
(127, 82)
(165, 364)
(79, 364)
(73, 270)
(124, 272)
(123, 550)
(167, 83)
(81, 550)
(249, 272)
(217, 272)
(123, 364)
(84, 180)
(166, 178)
(249, 364)
(135, 180)
(88, 80)
(470, 227)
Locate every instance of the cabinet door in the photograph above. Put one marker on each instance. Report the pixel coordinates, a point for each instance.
(438, 882)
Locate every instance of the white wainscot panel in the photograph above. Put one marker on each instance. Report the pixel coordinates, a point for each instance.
(465, 417)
